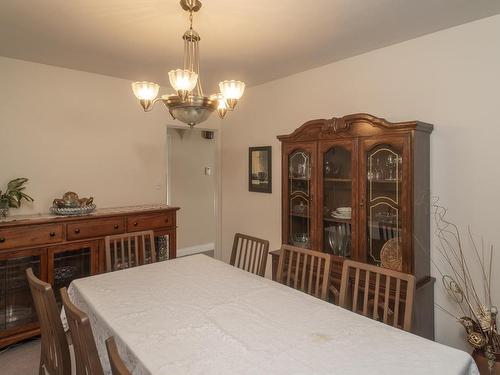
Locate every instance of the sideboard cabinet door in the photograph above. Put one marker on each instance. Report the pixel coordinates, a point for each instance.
(71, 261)
(17, 311)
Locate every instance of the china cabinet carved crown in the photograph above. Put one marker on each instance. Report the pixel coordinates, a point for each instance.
(358, 187)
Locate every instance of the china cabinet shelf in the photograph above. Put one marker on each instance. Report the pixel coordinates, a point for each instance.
(335, 220)
(331, 179)
(381, 225)
(369, 150)
(303, 216)
(385, 181)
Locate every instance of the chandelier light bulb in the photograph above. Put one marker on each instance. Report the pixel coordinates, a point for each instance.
(232, 91)
(145, 90)
(221, 105)
(183, 81)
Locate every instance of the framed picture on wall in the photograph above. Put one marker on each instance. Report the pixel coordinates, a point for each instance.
(259, 169)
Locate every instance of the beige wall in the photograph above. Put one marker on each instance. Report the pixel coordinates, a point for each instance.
(191, 189)
(450, 78)
(66, 129)
(70, 130)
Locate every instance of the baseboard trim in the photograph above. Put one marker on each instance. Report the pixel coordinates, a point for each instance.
(195, 249)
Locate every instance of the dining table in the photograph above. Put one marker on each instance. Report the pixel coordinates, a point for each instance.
(199, 315)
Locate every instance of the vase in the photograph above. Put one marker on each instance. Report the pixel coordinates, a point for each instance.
(482, 363)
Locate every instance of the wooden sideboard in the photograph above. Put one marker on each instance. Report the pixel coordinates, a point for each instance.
(63, 248)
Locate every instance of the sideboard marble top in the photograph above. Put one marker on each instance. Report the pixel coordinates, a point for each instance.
(97, 213)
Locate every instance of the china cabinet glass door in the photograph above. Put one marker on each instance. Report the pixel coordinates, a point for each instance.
(337, 197)
(300, 191)
(16, 304)
(385, 201)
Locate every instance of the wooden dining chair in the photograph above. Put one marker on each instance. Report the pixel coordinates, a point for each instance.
(379, 293)
(305, 270)
(117, 365)
(86, 355)
(249, 254)
(55, 354)
(129, 250)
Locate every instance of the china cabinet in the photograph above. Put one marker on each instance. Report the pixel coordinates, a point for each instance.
(358, 187)
(61, 249)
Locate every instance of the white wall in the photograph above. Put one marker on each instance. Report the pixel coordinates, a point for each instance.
(191, 189)
(70, 130)
(450, 78)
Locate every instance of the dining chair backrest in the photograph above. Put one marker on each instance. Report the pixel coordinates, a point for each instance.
(250, 254)
(129, 250)
(55, 357)
(379, 293)
(305, 270)
(117, 365)
(86, 355)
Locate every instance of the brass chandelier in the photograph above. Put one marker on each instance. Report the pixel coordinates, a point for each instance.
(189, 104)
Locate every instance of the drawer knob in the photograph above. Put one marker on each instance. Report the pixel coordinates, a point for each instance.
(52, 234)
(116, 226)
(135, 224)
(77, 230)
(2, 240)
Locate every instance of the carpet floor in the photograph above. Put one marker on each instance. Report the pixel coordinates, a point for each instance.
(20, 359)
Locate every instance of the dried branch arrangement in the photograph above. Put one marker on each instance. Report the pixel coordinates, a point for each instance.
(471, 292)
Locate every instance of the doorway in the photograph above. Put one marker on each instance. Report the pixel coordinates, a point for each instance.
(192, 185)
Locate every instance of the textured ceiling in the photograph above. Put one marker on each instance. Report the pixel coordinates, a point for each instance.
(253, 40)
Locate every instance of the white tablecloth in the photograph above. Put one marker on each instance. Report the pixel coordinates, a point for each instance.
(197, 315)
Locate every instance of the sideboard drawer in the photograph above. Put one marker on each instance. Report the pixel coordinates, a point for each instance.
(95, 228)
(147, 222)
(30, 236)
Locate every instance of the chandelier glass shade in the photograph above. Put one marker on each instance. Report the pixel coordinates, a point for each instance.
(145, 90)
(189, 104)
(183, 81)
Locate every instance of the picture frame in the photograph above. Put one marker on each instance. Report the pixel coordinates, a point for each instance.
(260, 169)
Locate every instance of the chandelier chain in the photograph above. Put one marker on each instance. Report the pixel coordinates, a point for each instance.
(198, 83)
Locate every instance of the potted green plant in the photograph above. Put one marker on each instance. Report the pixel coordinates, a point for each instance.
(13, 196)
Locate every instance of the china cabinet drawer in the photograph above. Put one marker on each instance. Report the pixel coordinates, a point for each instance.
(30, 236)
(95, 228)
(146, 222)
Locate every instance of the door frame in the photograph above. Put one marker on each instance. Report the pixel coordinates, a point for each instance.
(218, 179)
